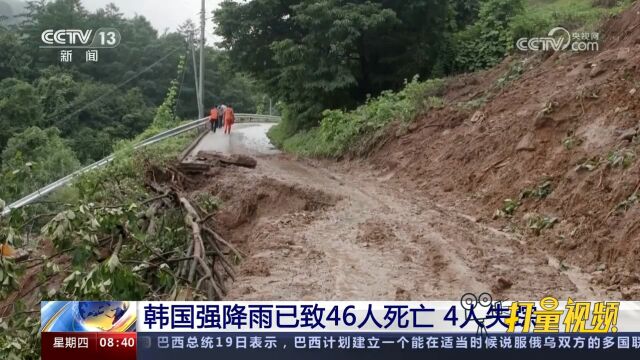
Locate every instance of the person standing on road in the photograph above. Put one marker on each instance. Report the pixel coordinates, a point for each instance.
(213, 118)
(229, 118)
(221, 109)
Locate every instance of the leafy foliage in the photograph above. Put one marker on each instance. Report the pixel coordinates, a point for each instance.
(539, 192)
(165, 115)
(19, 108)
(486, 42)
(19, 338)
(96, 105)
(32, 159)
(622, 158)
(509, 207)
(340, 132)
(537, 223)
(104, 215)
(331, 54)
(14, 62)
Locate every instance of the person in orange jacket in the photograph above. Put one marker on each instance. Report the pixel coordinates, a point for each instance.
(213, 118)
(229, 119)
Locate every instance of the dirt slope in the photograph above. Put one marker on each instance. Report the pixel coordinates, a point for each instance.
(563, 111)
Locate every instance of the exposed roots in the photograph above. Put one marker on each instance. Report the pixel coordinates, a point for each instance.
(210, 258)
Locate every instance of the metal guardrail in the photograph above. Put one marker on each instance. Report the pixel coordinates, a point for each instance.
(152, 140)
(256, 118)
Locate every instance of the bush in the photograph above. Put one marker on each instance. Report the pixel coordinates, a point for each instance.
(286, 128)
(34, 158)
(605, 3)
(486, 42)
(571, 14)
(340, 132)
(529, 25)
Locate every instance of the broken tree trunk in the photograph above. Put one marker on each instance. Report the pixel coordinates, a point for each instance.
(224, 159)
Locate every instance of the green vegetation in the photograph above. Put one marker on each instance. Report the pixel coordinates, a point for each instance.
(486, 42)
(621, 158)
(341, 132)
(336, 55)
(542, 15)
(101, 210)
(509, 207)
(537, 223)
(539, 192)
(48, 157)
(93, 106)
(105, 209)
(58, 116)
(337, 70)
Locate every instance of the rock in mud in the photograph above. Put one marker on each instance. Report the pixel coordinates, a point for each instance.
(402, 295)
(526, 143)
(501, 285)
(596, 71)
(478, 116)
(628, 134)
(542, 120)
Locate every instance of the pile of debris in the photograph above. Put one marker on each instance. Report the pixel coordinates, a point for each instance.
(205, 160)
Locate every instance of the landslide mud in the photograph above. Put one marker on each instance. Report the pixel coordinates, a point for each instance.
(570, 119)
(321, 230)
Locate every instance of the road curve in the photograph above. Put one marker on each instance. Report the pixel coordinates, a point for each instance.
(245, 138)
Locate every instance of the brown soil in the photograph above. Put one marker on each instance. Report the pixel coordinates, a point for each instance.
(321, 230)
(513, 142)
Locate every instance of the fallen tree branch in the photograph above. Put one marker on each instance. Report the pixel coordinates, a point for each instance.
(219, 238)
(199, 267)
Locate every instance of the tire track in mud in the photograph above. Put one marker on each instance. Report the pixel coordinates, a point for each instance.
(379, 243)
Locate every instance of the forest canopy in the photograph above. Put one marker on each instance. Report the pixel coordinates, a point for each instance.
(334, 54)
(87, 107)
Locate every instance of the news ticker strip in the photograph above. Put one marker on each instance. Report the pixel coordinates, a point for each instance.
(547, 316)
(150, 330)
(195, 346)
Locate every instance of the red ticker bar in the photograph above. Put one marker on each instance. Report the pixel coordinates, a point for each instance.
(93, 346)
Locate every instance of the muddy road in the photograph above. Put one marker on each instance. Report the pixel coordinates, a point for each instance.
(336, 231)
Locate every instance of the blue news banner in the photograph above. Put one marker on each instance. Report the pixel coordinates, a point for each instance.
(241, 346)
(387, 330)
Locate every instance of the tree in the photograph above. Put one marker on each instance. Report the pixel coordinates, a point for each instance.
(57, 90)
(315, 55)
(98, 108)
(19, 108)
(223, 83)
(14, 61)
(486, 42)
(42, 15)
(95, 105)
(32, 159)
